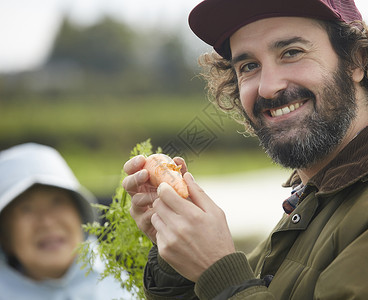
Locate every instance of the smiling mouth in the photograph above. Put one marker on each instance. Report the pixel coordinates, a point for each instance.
(278, 112)
(51, 243)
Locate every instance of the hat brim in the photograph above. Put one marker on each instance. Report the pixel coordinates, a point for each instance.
(25, 165)
(214, 21)
(82, 196)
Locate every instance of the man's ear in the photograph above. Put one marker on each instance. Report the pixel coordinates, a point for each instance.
(357, 74)
(358, 71)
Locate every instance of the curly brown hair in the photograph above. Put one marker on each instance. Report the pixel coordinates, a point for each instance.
(350, 42)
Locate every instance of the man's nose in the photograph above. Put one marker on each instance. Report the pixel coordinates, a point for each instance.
(272, 81)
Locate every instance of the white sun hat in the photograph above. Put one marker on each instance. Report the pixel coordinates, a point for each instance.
(25, 165)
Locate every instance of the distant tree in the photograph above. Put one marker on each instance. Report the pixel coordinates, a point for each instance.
(110, 57)
(170, 64)
(104, 47)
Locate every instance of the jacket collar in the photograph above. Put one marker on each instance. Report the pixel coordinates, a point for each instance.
(348, 167)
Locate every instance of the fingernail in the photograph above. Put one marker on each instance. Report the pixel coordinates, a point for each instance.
(137, 160)
(160, 187)
(190, 176)
(142, 174)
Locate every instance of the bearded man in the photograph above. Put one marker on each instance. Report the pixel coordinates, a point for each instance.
(294, 73)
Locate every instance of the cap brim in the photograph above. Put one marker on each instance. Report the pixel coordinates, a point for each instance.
(214, 21)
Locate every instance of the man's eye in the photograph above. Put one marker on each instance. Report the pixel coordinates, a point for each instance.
(292, 53)
(248, 67)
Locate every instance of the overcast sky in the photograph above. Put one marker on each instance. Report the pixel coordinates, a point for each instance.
(27, 27)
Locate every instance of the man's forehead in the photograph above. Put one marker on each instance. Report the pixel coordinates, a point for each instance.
(276, 32)
(277, 24)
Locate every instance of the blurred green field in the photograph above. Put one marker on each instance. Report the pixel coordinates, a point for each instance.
(96, 134)
(100, 172)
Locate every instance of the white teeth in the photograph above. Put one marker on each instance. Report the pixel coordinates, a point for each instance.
(285, 110)
(277, 113)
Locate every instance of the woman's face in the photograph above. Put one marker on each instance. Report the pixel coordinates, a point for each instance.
(44, 229)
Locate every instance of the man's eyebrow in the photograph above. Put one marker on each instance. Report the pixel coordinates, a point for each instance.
(276, 45)
(239, 58)
(285, 43)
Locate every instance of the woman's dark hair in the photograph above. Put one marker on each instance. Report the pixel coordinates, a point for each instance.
(350, 42)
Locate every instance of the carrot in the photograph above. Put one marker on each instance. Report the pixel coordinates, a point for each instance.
(162, 168)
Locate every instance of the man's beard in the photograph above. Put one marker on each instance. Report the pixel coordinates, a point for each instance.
(317, 134)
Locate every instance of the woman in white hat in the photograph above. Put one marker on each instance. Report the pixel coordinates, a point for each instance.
(42, 207)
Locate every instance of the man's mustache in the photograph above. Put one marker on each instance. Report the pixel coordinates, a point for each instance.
(283, 98)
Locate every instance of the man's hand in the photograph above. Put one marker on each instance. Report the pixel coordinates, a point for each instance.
(143, 194)
(190, 235)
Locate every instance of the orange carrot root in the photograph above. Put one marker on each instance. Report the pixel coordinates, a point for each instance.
(162, 168)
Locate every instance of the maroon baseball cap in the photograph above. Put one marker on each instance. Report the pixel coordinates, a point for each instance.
(214, 21)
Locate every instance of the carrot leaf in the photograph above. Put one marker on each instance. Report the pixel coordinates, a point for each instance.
(119, 244)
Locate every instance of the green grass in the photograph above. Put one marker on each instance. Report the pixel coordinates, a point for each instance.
(100, 171)
(224, 162)
(95, 119)
(95, 134)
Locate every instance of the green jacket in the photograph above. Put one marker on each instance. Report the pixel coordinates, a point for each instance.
(319, 251)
